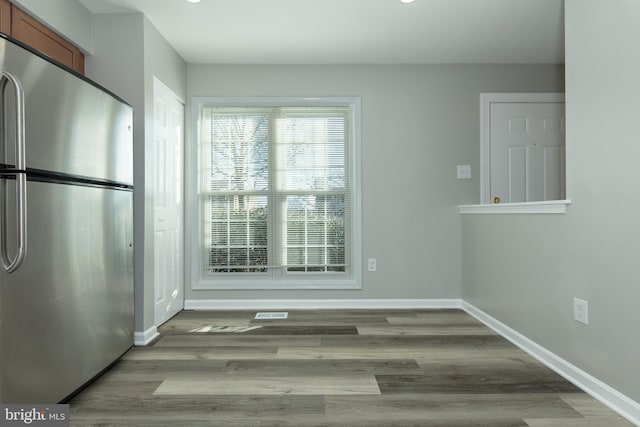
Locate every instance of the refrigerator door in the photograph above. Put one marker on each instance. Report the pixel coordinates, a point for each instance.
(67, 312)
(72, 126)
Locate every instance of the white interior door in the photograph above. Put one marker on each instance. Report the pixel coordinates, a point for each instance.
(168, 203)
(527, 155)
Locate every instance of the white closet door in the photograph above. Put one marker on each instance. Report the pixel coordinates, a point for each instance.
(168, 203)
(526, 151)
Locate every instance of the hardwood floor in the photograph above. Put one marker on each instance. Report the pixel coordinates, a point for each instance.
(334, 368)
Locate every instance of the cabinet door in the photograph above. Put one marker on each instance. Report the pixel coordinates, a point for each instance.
(33, 33)
(5, 17)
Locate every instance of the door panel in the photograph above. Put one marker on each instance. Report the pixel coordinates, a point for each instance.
(553, 173)
(517, 168)
(534, 174)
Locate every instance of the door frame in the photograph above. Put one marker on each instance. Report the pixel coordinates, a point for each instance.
(486, 99)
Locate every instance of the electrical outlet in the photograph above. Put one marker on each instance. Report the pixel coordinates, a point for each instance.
(372, 264)
(581, 311)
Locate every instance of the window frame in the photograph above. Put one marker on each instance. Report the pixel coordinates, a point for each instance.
(290, 280)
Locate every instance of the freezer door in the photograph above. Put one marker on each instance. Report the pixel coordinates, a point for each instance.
(71, 126)
(67, 312)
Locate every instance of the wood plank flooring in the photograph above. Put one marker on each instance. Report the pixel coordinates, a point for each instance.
(333, 368)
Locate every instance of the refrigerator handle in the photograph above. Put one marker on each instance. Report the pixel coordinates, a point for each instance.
(21, 177)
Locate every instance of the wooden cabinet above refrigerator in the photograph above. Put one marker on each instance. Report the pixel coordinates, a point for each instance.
(23, 27)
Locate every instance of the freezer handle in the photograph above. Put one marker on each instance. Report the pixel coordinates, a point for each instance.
(11, 265)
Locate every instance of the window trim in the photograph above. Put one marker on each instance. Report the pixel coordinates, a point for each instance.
(293, 281)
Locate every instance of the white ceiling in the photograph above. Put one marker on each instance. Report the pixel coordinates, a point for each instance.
(355, 31)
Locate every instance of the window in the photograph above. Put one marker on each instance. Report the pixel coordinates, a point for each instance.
(277, 193)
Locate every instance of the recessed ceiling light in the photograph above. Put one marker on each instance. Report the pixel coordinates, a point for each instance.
(407, 1)
(194, 1)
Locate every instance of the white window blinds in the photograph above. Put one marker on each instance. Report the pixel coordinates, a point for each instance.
(275, 191)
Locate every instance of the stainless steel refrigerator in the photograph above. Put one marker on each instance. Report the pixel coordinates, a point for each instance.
(66, 238)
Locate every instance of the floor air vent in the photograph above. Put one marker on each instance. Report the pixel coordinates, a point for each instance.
(277, 315)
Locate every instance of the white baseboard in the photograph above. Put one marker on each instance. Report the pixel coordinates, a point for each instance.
(623, 405)
(144, 338)
(317, 304)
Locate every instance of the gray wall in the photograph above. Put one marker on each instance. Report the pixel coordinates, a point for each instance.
(418, 123)
(525, 270)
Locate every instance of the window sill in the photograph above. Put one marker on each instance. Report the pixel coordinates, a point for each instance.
(267, 285)
(546, 207)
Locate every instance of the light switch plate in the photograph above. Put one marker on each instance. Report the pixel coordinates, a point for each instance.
(581, 311)
(464, 171)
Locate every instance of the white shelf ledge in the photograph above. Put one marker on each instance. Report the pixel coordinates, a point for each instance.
(546, 207)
